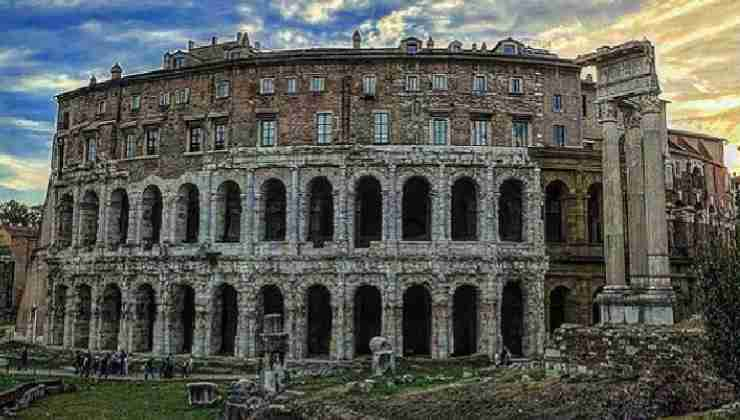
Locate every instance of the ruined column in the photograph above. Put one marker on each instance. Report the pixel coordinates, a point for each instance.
(635, 195)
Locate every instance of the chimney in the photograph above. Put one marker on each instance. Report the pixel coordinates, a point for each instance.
(475, 46)
(244, 41)
(115, 72)
(257, 45)
(356, 40)
(191, 45)
(214, 40)
(238, 37)
(430, 42)
(93, 81)
(483, 47)
(166, 60)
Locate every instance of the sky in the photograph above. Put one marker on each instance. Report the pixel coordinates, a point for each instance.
(50, 46)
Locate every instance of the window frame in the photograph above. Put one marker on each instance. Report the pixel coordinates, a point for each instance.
(557, 102)
(193, 129)
(273, 130)
(520, 84)
(221, 92)
(439, 76)
(135, 103)
(526, 124)
(164, 99)
(321, 84)
(91, 149)
(264, 83)
(369, 80)
(327, 134)
(433, 130)
(485, 124)
(288, 90)
(410, 77)
(151, 141)
(101, 107)
(130, 146)
(558, 129)
(224, 126)
(477, 77)
(385, 127)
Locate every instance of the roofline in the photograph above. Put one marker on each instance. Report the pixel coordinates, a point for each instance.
(697, 135)
(323, 54)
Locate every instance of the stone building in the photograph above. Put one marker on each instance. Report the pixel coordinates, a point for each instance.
(16, 246)
(447, 198)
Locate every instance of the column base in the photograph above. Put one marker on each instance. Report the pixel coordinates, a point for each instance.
(625, 305)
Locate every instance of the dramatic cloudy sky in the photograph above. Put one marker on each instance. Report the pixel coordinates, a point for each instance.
(47, 46)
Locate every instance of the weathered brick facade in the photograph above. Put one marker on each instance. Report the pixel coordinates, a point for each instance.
(332, 204)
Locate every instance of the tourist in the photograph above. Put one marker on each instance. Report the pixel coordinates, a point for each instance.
(124, 363)
(187, 367)
(149, 369)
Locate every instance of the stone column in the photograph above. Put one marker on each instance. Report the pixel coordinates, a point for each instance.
(658, 297)
(391, 207)
(250, 235)
(134, 220)
(342, 216)
(162, 344)
(339, 306)
(441, 206)
(95, 319)
(103, 207)
(635, 195)
(245, 324)
(488, 208)
(76, 225)
(611, 299)
(293, 212)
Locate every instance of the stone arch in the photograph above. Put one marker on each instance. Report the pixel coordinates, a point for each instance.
(562, 307)
(466, 321)
(83, 316)
(556, 212)
(118, 223)
(464, 210)
(368, 217)
(511, 210)
(270, 300)
(512, 318)
(65, 219)
(274, 220)
(367, 317)
(110, 314)
(151, 215)
(228, 212)
(60, 310)
(318, 321)
(187, 218)
(416, 219)
(182, 318)
(225, 317)
(145, 316)
(320, 211)
(595, 212)
(89, 215)
(417, 320)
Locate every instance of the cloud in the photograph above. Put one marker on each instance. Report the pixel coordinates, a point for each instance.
(14, 56)
(23, 174)
(28, 125)
(41, 84)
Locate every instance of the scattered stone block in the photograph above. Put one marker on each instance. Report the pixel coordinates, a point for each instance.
(201, 394)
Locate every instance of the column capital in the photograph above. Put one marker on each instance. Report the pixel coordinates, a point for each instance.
(609, 111)
(650, 104)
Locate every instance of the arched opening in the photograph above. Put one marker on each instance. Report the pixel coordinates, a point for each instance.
(228, 212)
(318, 301)
(111, 317)
(555, 211)
(464, 210)
(60, 309)
(270, 301)
(187, 222)
(465, 318)
(89, 210)
(512, 319)
(417, 210)
(225, 313)
(151, 216)
(145, 315)
(417, 321)
(273, 194)
(595, 206)
(321, 212)
(562, 307)
(118, 222)
(82, 318)
(368, 313)
(182, 319)
(368, 212)
(65, 220)
(510, 226)
(596, 308)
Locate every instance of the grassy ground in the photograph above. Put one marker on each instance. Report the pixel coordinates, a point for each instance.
(121, 401)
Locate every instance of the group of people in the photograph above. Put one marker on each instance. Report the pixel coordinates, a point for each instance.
(167, 368)
(87, 364)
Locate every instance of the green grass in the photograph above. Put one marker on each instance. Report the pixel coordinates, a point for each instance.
(122, 401)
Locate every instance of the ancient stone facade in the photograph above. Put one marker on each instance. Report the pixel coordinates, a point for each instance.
(445, 198)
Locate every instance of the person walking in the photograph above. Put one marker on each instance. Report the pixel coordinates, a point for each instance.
(149, 369)
(124, 363)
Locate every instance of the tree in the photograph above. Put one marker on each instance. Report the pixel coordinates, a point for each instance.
(718, 270)
(19, 214)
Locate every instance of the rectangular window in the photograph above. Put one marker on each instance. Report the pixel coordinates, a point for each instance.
(479, 84)
(323, 128)
(557, 103)
(267, 132)
(515, 86)
(292, 85)
(135, 103)
(90, 147)
(509, 49)
(65, 120)
(164, 99)
(317, 84)
(382, 129)
(584, 106)
(179, 62)
(439, 82)
(101, 107)
(130, 146)
(182, 96)
(267, 86)
(223, 88)
(152, 141)
(440, 130)
(219, 133)
(412, 83)
(520, 133)
(480, 133)
(559, 135)
(368, 85)
(196, 135)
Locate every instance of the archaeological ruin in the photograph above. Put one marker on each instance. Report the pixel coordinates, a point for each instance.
(453, 200)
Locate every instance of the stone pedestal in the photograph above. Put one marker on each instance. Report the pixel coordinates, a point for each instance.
(633, 305)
